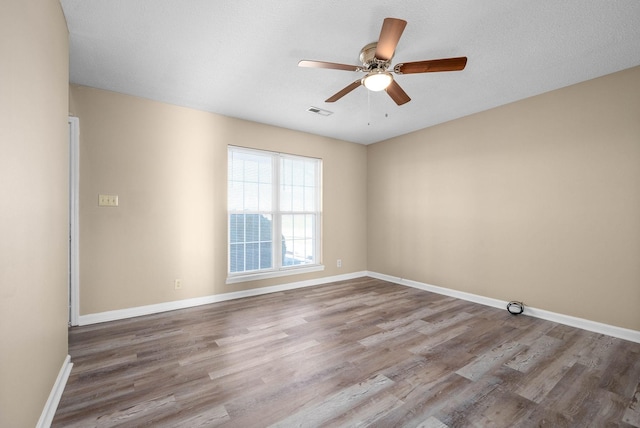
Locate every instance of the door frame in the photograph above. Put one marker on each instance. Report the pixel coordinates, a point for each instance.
(74, 224)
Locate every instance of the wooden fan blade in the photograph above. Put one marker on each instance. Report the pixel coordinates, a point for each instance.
(392, 29)
(330, 65)
(344, 91)
(397, 93)
(446, 64)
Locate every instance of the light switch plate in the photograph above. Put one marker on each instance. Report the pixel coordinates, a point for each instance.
(108, 200)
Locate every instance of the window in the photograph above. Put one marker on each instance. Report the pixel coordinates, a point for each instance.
(274, 214)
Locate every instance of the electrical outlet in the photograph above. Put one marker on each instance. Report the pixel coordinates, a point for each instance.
(177, 284)
(339, 263)
(108, 200)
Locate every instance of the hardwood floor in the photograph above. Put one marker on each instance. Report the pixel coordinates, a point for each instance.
(356, 353)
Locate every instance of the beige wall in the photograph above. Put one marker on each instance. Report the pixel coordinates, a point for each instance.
(168, 166)
(33, 177)
(536, 201)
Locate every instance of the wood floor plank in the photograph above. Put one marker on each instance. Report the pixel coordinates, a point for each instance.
(361, 352)
(366, 414)
(488, 361)
(544, 376)
(622, 371)
(339, 403)
(205, 416)
(424, 400)
(412, 316)
(432, 422)
(578, 387)
(434, 337)
(539, 351)
(387, 335)
(632, 412)
(274, 401)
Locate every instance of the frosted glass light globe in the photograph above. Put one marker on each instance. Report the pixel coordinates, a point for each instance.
(377, 80)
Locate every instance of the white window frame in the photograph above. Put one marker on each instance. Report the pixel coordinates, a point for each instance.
(278, 269)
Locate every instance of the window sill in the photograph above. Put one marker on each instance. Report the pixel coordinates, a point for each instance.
(273, 274)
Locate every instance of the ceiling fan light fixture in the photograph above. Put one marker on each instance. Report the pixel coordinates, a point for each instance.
(377, 80)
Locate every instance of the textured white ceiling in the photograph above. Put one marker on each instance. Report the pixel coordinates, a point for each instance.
(239, 58)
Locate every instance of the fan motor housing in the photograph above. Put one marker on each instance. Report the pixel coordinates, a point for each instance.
(369, 60)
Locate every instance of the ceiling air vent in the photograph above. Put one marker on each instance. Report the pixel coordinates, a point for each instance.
(319, 111)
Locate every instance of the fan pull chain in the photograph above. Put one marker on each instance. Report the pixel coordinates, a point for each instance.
(368, 108)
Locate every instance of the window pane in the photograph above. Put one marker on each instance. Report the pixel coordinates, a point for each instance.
(298, 198)
(286, 172)
(266, 228)
(298, 231)
(252, 227)
(265, 255)
(236, 228)
(251, 168)
(235, 196)
(287, 259)
(250, 181)
(310, 175)
(251, 191)
(236, 169)
(299, 228)
(255, 231)
(236, 257)
(287, 225)
(297, 172)
(265, 171)
(309, 199)
(252, 256)
(286, 201)
(264, 197)
(298, 185)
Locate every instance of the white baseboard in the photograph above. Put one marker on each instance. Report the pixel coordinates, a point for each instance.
(596, 327)
(198, 301)
(51, 405)
(619, 332)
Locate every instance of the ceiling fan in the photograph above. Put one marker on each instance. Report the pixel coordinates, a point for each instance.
(376, 60)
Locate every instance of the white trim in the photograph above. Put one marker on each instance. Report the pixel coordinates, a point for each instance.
(74, 219)
(198, 301)
(596, 327)
(610, 330)
(50, 407)
(234, 279)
